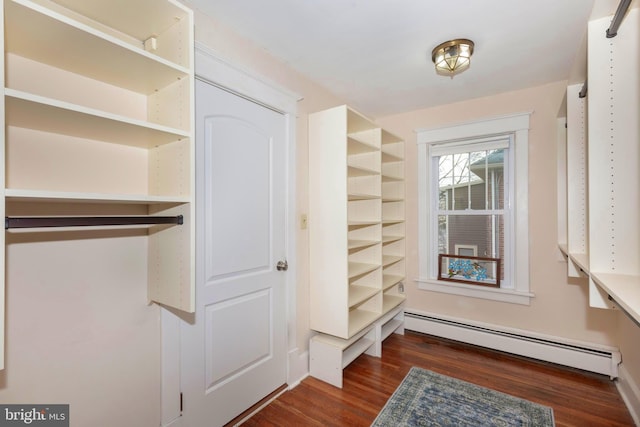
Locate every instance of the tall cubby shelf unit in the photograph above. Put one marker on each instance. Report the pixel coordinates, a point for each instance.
(603, 169)
(98, 116)
(357, 239)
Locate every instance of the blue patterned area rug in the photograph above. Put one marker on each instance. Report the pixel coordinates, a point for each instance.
(425, 398)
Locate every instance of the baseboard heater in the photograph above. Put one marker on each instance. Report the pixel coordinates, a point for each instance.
(599, 359)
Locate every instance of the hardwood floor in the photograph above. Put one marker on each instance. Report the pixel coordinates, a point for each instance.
(578, 398)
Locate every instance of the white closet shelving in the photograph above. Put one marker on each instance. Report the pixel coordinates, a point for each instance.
(603, 169)
(614, 164)
(98, 116)
(356, 178)
(577, 197)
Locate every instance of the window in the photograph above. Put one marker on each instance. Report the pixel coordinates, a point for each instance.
(470, 209)
(473, 209)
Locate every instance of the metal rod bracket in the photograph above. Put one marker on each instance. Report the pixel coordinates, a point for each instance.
(623, 6)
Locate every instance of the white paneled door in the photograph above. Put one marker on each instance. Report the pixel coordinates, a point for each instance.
(234, 353)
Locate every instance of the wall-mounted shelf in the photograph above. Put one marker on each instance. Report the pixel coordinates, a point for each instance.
(603, 170)
(68, 40)
(614, 161)
(623, 289)
(29, 111)
(18, 195)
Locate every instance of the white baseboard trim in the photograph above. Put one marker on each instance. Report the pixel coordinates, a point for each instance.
(587, 356)
(297, 383)
(298, 367)
(173, 423)
(630, 392)
(260, 408)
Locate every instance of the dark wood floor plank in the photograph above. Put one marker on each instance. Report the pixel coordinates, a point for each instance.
(578, 398)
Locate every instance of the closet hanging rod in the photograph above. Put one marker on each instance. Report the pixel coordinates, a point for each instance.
(583, 91)
(612, 31)
(88, 221)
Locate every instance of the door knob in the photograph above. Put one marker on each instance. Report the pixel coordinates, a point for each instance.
(282, 265)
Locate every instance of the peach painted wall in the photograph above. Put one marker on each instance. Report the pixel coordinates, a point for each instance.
(560, 307)
(629, 341)
(79, 328)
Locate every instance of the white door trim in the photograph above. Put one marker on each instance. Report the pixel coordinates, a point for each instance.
(210, 67)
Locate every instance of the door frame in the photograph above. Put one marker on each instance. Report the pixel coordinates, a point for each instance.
(213, 69)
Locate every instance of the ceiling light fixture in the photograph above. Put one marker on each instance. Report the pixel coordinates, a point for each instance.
(452, 57)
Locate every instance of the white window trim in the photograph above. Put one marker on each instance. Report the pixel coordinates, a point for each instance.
(516, 125)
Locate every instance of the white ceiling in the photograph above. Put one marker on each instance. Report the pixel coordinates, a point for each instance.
(376, 54)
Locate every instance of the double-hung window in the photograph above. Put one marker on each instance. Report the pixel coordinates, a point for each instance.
(473, 213)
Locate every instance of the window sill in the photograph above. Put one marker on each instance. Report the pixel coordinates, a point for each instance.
(495, 294)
